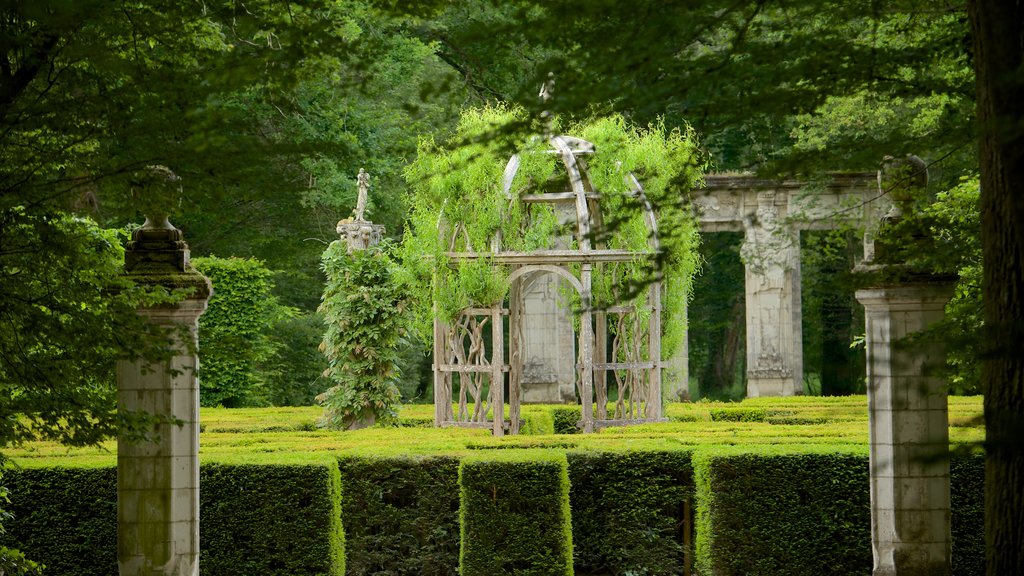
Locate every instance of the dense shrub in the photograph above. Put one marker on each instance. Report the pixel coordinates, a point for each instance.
(401, 515)
(738, 415)
(363, 309)
(65, 518)
(627, 511)
(234, 341)
(803, 513)
(566, 419)
(967, 505)
(271, 520)
(254, 519)
(514, 514)
(294, 372)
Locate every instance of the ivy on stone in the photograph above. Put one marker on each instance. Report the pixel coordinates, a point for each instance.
(363, 307)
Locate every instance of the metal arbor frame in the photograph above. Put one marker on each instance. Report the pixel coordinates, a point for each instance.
(464, 359)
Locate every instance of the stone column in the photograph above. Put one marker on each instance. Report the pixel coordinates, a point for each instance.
(910, 525)
(771, 258)
(158, 478)
(549, 347)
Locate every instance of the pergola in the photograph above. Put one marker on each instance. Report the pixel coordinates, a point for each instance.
(470, 362)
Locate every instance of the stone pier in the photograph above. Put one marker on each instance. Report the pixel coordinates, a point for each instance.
(549, 345)
(158, 478)
(910, 498)
(771, 259)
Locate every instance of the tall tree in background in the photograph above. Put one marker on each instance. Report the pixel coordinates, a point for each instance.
(998, 34)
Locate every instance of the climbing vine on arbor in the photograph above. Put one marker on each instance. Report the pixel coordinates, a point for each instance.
(363, 308)
(459, 204)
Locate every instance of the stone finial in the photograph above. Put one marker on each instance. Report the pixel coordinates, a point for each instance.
(905, 181)
(363, 181)
(157, 247)
(358, 233)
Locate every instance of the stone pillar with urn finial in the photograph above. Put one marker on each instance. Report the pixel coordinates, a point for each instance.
(158, 477)
(907, 394)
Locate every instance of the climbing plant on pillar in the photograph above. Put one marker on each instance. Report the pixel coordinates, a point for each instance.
(363, 308)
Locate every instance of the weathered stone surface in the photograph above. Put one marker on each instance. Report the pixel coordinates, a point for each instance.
(910, 494)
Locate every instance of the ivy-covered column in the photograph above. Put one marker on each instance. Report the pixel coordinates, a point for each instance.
(363, 309)
(158, 477)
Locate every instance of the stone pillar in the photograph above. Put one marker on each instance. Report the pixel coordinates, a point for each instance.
(549, 347)
(910, 525)
(158, 478)
(771, 257)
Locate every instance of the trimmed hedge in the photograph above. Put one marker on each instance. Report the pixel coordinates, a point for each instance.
(794, 512)
(967, 508)
(565, 419)
(797, 513)
(627, 511)
(254, 519)
(401, 515)
(514, 514)
(65, 518)
(271, 519)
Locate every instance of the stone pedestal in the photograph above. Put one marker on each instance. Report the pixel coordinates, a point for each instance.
(158, 478)
(910, 525)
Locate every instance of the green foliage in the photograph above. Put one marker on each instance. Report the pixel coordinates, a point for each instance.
(627, 510)
(738, 415)
(514, 514)
(777, 513)
(14, 563)
(458, 204)
(943, 237)
(830, 314)
(566, 420)
(294, 371)
(234, 340)
(68, 314)
(271, 519)
(967, 503)
(401, 515)
(363, 308)
(66, 518)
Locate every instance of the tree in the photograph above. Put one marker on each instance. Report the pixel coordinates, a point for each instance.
(998, 42)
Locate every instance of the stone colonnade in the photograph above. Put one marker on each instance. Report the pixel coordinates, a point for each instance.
(158, 478)
(770, 214)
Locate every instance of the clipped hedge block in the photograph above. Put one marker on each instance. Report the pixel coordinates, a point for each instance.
(793, 514)
(967, 508)
(565, 420)
(514, 514)
(65, 518)
(254, 519)
(401, 515)
(628, 511)
(810, 513)
(271, 519)
(738, 415)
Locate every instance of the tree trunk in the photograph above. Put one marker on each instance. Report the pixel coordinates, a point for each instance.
(998, 31)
